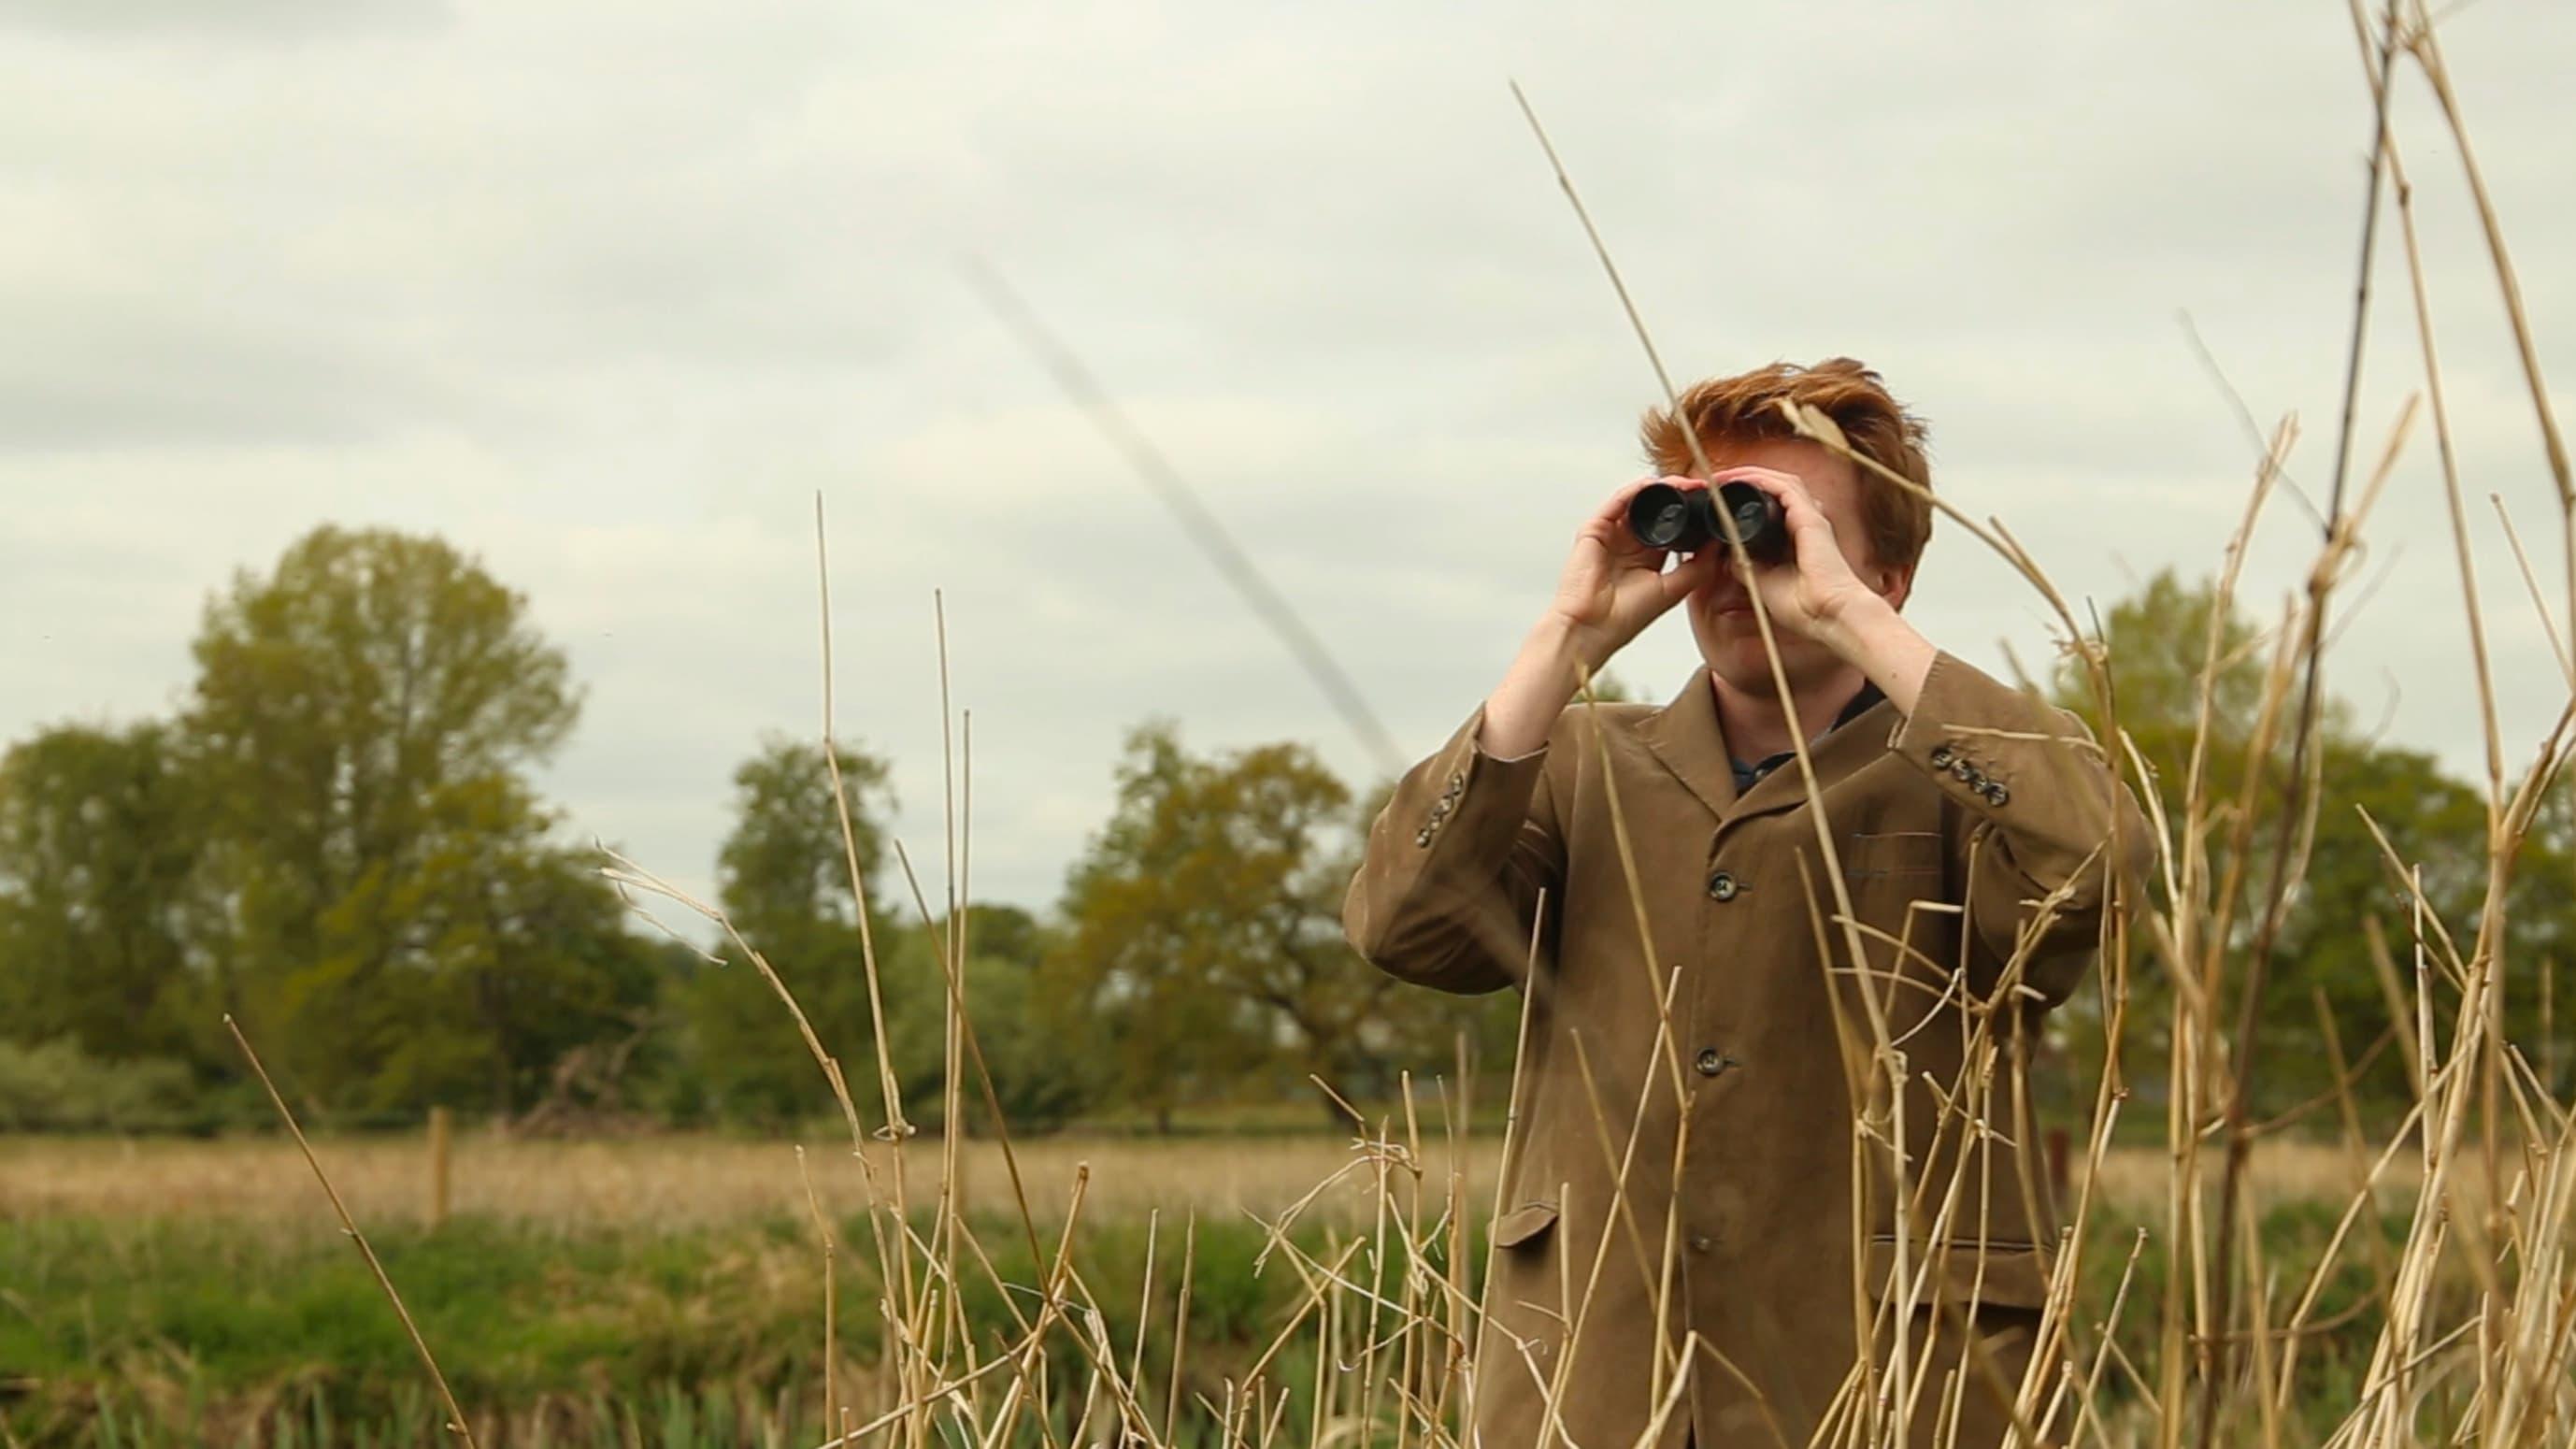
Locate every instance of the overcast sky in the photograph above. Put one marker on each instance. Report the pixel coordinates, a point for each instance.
(604, 293)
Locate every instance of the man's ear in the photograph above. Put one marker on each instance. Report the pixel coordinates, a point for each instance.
(1896, 586)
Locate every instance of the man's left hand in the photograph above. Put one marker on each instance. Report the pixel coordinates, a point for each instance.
(1817, 588)
(1818, 593)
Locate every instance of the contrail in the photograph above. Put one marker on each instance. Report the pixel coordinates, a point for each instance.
(1271, 606)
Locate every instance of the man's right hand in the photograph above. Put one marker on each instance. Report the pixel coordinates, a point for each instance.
(1611, 589)
(1613, 586)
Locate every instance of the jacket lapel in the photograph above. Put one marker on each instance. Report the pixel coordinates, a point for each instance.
(1684, 735)
(1843, 750)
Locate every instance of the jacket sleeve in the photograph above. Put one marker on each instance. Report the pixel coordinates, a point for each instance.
(1446, 894)
(2045, 813)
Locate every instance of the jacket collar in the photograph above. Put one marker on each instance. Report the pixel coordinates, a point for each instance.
(1685, 736)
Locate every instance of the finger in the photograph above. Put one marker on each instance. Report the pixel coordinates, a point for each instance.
(1806, 518)
(1798, 507)
(1608, 525)
(1782, 486)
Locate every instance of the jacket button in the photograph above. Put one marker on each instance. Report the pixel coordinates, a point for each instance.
(1702, 1242)
(1940, 757)
(1996, 794)
(1722, 887)
(1710, 1062)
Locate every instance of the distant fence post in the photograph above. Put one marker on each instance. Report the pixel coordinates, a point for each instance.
(2057, 1164)
(439, 1137)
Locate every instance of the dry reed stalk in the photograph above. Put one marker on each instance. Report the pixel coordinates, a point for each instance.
(457, 1423)
(831, 1302)
(2243, 1059)
(900, 1280)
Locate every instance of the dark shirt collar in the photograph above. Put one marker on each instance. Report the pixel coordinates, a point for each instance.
(1747, 776)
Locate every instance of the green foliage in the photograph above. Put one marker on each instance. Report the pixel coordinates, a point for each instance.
(784, 870)
(55, 1087)
(2339, 1334)
(361, 719)
(783, 878)
(1203, 942)
(98, 841)
(2344, 885)
(403, 929)
(1044, 1075)
(335, 841)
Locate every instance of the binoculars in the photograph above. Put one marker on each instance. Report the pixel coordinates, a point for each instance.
(1663, 516)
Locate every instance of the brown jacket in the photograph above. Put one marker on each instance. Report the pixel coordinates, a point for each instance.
(1951, 827)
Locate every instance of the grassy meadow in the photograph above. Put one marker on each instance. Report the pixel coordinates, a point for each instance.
(668, 1290)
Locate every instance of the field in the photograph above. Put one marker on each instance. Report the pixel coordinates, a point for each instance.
(699, 1181)
(668, 1290)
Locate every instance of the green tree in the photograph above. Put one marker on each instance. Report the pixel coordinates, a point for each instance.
(396, 924)
(2158, 641)
(512, 954)
(1203, 933)
(1045, 1070)
(783, 878)
(98, 843)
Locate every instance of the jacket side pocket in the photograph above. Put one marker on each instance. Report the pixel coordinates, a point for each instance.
(1524, 1225)
(1998, 1275)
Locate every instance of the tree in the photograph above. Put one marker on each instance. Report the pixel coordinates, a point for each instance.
(1044, 1072)
(2157, 641)
(394, 920)
(783, 878)
(512, 954)
(97, 847)
(1203, 932)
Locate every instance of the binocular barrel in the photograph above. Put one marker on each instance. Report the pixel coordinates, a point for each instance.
(1663, 516)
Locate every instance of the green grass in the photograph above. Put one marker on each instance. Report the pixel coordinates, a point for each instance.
(175, 1330)
(184, 1331)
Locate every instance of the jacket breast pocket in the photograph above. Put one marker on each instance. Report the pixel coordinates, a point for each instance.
(1910, 862)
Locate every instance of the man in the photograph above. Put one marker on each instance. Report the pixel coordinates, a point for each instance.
(1702, 1165)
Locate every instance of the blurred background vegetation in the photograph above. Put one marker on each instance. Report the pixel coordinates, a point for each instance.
(338, 839)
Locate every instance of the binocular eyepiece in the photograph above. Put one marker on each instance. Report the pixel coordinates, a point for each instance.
(1663, 516)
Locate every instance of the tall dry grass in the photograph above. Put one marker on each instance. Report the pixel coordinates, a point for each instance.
(2483, 1180)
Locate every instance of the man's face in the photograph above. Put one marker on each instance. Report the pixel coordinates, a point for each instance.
(1721, 615)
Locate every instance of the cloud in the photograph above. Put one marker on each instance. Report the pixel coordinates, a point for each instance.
(235, 21)
(607, 293)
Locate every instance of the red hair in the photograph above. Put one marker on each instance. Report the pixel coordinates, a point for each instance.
(1746, 408)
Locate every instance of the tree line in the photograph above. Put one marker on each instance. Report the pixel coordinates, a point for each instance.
(336, 839)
